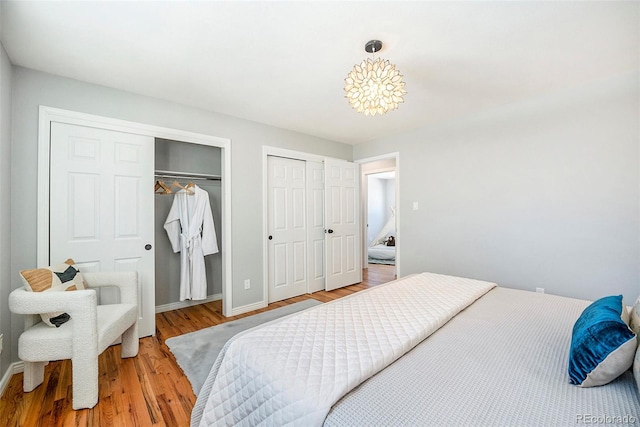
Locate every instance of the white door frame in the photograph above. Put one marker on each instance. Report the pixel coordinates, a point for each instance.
(363, 208)
(50, 114)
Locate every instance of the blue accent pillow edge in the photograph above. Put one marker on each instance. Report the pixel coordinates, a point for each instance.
(598, 332)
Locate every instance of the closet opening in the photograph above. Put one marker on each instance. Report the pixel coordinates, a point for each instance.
(188, 171)
(124, 237)
(311, 211)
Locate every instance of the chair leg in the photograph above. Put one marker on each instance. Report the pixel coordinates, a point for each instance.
(33, 375)
(85, 380)
(130, 342)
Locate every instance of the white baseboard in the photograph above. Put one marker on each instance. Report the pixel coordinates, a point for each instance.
(215, 297)
(246, 308)
(183, 304)
(14, 368)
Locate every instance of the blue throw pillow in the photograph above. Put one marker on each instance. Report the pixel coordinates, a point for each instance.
(602, 345)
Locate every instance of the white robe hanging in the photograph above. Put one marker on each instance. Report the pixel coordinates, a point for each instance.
(190, 228)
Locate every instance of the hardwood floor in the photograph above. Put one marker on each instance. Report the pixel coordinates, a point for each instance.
(147, 390)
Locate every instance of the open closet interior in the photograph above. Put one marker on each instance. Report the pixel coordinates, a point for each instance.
(179, 164)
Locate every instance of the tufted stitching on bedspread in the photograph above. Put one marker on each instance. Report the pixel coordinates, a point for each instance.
(293, 370)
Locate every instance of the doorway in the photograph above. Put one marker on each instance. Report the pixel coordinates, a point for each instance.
(379, 202)
(311, 222)
(381, 218)
(49, 115)
(201, 165)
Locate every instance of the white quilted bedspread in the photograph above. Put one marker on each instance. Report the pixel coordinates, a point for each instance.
(292, 370)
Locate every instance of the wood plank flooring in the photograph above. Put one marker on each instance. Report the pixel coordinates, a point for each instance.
(147, 390)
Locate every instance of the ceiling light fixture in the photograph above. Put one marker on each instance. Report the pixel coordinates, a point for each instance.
(374, 86)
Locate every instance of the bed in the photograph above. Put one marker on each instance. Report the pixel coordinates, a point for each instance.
(378, 251)
(382, 254)
(423, 350)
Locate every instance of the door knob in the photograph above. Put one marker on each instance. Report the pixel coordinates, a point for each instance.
(147, 247)
(270, 237)
(329, 231)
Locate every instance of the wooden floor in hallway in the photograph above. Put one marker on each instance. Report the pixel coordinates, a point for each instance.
(149, 389)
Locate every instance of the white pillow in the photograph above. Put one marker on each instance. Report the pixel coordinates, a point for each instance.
(634, 320)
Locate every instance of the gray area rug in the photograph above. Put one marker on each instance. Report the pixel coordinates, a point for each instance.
(196, 351)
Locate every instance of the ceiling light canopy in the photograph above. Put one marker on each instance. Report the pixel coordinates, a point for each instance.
(375, 86)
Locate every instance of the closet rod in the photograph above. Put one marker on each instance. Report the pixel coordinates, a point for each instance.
(189, 175)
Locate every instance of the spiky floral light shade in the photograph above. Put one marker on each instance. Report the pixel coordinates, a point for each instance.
(374, 87)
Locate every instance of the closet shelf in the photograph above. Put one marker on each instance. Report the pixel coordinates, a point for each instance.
(190, 175)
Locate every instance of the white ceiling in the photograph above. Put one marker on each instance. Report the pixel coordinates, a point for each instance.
(283, 63)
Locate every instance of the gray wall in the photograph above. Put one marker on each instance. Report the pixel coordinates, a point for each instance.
(390, 198)
(540, 193)
(182, 157)
(376, 207)
(32, 88)
(5, 207)
(381, 196)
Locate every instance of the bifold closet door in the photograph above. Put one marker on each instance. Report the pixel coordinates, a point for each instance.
(287, 228)
(101, 207)
(315, 225)
(342, 223)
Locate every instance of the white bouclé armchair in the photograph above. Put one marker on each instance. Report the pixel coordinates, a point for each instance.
(91, 329)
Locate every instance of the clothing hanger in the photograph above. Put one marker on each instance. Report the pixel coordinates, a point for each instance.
(161, 188)
(186, 189)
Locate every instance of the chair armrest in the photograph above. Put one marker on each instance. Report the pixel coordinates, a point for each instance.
(81, 305)
(127, 281)
(22, 301)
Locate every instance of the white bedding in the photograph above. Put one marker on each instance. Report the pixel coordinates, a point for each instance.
(292, 370)
(501, 362)
(382, 252)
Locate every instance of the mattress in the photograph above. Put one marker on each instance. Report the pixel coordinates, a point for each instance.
(382, 252)
(502, 361)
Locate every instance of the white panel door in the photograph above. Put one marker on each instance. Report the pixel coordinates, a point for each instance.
(315, 225)
(342, 222)
(287, 246)
(101, 207)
